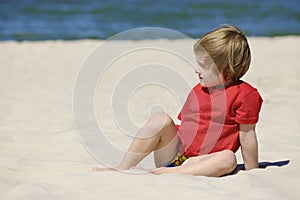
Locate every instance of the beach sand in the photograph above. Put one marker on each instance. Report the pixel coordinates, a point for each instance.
(43, 157)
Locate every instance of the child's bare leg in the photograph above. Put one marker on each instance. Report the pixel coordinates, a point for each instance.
(159, 135)
(215, 165)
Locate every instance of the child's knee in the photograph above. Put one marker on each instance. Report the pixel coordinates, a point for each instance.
(158, 122)
(161, 118)
(228, 160)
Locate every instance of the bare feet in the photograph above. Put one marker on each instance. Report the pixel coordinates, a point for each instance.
(157, 171)
(100, 169)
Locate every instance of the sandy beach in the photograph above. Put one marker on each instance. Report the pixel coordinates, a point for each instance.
(43, 157)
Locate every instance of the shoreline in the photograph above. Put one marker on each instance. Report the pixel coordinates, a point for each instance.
(97, 39)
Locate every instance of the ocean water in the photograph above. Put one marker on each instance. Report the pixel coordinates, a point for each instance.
(101, 19)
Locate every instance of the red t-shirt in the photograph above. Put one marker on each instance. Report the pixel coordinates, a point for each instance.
(210, 118)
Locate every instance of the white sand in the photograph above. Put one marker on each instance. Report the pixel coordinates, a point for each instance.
(42, 157)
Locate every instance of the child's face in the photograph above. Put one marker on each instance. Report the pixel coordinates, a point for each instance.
(208, 73)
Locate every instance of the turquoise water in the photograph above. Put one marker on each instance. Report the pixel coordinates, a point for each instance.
(96, 19)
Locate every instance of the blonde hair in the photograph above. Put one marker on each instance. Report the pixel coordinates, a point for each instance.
(229, 49)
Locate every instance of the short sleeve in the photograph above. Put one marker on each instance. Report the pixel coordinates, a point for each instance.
(249, 108)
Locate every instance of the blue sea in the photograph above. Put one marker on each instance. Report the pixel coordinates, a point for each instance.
(100, 19)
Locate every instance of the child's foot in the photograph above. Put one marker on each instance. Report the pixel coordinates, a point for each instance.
(158, 171)
(100, 169)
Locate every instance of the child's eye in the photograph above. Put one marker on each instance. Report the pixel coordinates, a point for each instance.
(204, 68)
(204, 62)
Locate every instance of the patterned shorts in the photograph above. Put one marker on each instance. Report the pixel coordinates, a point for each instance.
(177, 161)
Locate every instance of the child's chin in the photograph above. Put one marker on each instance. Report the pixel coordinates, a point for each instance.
(211, 85)
(203, 84)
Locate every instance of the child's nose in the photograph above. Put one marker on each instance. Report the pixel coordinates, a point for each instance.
(197, 70)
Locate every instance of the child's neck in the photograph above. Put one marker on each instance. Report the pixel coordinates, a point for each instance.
(224, 85)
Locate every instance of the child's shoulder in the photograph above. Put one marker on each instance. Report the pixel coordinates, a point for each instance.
(239, 88)
(244, 89)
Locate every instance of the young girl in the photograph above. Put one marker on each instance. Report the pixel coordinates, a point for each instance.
(217, 118)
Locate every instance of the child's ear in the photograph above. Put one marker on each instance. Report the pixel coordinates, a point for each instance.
(229, 77)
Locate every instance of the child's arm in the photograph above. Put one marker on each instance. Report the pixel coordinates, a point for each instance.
(249, 146)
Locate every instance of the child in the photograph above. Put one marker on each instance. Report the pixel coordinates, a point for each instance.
(218, 116)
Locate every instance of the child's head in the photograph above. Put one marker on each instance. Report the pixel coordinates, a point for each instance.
(227, 46)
